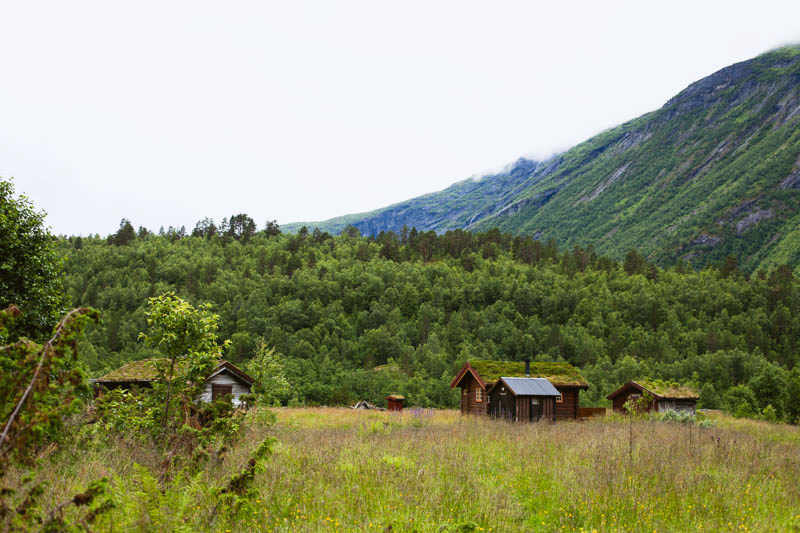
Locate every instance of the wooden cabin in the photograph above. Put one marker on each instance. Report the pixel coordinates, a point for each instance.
(225, 378)
(477, 376)
(394, 402)
(522, 399)
(667, 396)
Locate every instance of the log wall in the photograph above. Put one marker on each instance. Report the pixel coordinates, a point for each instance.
(469, 396)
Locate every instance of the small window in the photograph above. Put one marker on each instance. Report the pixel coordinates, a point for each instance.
(559, 399)
(478, 395)
(502, 391)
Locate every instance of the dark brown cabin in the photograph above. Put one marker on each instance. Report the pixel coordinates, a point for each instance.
(394, 402)
(523, 399)
(666, 396)
(476, 377)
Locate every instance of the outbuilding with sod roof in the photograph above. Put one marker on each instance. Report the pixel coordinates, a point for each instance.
(477, 376)
(225, 378)
(666, 396)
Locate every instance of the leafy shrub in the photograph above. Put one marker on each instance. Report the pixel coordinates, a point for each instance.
(42, 385)
(769, 414)
(672, 415)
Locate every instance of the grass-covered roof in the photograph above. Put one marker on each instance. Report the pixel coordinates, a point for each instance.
(555, 373)
(144, 370)
(667, 389)
(147, 370)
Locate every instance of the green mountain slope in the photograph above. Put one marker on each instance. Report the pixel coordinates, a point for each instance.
(714, 172)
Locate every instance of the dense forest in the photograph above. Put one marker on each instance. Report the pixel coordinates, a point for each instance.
(357, 318)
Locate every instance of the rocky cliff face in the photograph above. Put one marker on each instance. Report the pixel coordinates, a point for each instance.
(715, 171)
(458, 206)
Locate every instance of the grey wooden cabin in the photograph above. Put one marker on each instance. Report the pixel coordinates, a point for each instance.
(226, 379)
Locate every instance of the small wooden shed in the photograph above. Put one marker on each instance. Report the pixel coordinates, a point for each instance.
(225, 378)
(667, 396)
(523, 399)
(395, 402)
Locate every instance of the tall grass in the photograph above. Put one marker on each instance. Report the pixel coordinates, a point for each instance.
(344, 470)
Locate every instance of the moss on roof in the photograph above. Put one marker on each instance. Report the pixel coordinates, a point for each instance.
(144, 370)
(395, 397)
(667, 389)
(556, 373)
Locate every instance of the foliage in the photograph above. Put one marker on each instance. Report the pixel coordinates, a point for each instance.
(241, 484)
(353, 325)
(638, 405)
(188, 338)
(197, 435)
(133, 412)
(42, 385)
(671, 415)
(30, 276)
(124, 236)
(769, 414)
(239, 227)
(741, 401)
(270, 386)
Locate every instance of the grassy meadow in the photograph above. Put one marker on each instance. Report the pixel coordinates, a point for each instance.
(335, 469)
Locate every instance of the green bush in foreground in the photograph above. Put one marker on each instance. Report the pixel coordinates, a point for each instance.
(45, 429)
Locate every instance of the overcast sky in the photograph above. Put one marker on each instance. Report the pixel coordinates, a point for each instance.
(166, 112)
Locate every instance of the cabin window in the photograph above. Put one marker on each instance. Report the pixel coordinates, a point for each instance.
(534, 401)
(478, 395)
(466, 392)
(218, 391)
(560, 399)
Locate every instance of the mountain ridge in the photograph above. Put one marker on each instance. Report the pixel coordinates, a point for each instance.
(714, 172)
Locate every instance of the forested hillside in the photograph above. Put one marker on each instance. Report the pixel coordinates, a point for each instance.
(358, 318)
(714, 172)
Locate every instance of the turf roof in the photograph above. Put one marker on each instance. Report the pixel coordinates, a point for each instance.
(555, 373)
(144, 370)
(667, 389)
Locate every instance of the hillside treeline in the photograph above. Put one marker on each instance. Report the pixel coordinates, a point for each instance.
(358, 318)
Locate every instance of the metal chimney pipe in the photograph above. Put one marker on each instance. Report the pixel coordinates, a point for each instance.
(527, 368)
